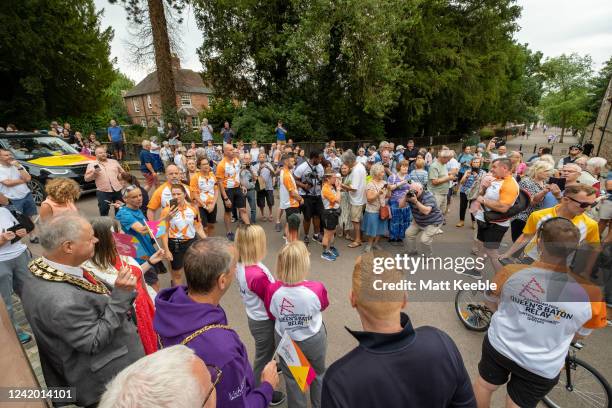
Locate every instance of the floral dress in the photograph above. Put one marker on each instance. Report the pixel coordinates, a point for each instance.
(400, 217)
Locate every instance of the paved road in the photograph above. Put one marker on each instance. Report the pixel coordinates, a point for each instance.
(337, 278)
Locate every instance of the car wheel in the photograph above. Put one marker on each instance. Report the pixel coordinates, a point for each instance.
(38, 191)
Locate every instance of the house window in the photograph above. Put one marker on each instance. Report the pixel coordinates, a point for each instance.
(149, 104)
(143, 122)
(135, 103)
(183, 122)
(185, 100)
(195, 122)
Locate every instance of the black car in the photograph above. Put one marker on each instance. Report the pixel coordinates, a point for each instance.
(46, 157)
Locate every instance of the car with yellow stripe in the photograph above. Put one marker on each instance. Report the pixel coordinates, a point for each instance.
(46, 157)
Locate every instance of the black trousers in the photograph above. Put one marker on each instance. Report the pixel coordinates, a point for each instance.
(104, 196)
(464, 203)
(516, 228)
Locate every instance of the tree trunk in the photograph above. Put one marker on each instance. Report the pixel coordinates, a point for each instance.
(562, 129)
(163, 61)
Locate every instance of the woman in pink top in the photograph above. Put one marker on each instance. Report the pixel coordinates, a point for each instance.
(62, 193)
(297, 305)
(251, 246)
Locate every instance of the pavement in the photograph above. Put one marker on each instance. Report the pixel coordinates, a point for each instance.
(423, 309)
(538, 138)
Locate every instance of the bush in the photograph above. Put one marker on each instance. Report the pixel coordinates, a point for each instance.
(219, 110)
(486, 133)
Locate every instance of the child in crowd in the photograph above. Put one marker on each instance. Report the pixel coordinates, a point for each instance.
(293, 227)
(296, 304)
(251, 247)
(331, 195)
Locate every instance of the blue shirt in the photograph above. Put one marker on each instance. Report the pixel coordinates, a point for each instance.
(280, 134)
(465, 160)
(127, 217)
(115, 133)
(146, 157)
(434, 217)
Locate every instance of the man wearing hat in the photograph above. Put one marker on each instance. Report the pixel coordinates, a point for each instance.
(574, 151)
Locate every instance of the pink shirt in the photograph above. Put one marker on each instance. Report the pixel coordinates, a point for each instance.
(107, 179)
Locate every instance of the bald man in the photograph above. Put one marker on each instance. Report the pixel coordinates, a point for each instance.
(163, 194)
(431, 367)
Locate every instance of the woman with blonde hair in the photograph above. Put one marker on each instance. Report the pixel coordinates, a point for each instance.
(534, 182)
(376, 196)
(289, 299)
(253, 279)
(62, 193)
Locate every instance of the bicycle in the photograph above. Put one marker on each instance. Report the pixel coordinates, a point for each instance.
(472, 311)
(580, 385)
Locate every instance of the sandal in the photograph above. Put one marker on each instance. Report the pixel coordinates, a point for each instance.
(354, 244)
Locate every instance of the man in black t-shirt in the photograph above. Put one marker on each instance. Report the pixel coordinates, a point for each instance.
(395, 365)
(411, 154)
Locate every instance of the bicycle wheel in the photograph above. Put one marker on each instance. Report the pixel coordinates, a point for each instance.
(471, 310)
(589, 388)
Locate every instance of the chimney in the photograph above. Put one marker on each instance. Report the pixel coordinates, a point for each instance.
(175, 61)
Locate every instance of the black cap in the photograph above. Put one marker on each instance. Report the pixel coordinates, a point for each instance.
(576, 146)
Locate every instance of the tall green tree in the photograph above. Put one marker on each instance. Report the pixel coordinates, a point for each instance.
(597, 89)
(116, 108)
(566, 91)
(54, 60)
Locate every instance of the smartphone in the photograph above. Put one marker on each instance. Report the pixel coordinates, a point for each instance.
(14, 228)
(173, 203)
(97, 166)
(560, 181)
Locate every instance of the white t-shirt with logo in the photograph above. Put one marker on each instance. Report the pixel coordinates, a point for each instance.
(15, 192)
(9, 251)
(541, 307)
(297, 308)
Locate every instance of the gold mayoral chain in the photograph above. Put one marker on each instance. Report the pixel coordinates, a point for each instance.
(41, 269)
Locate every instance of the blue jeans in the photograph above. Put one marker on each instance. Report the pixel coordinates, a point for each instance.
(251, 197)
(12, 275)
(25, 205)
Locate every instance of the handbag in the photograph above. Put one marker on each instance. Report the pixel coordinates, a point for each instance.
(385, 212)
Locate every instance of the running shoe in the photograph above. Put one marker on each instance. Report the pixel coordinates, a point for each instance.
(334, 251)
(306, 239)
(328, 256)
(318, 238)
(277, 227)
(473, 273)
(230, 236)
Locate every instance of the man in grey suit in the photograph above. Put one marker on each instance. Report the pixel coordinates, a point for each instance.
(84, 332)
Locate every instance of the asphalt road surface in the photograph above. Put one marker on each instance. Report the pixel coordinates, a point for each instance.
(437, 311)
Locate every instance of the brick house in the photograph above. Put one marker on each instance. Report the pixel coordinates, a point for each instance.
(143, 102)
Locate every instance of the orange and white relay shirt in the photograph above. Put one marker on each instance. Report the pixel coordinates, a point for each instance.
(204, 187)
(329, 197)
(183, 224)
(540, 308)
(162, 196)
(228, 171)
(287, 185)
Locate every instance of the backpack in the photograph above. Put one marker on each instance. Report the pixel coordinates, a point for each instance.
(522, 202)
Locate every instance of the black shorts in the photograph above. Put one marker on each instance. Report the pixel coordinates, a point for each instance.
(236, 197)
(490, 234)
(312, 207)
(329, 220)
(263, 196)
(178, 247)
(291, 210)
(525, 388)
(208, 217)
(118, 147)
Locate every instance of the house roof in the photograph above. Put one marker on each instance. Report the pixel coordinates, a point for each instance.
(187, 111)
(185, 80)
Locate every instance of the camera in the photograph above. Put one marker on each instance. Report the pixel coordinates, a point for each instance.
(312, 178)
(411, 193)
(499, 143)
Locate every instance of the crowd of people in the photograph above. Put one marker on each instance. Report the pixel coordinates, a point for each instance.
(104, 324)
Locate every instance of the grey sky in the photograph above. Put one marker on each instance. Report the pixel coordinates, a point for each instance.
(551, 26)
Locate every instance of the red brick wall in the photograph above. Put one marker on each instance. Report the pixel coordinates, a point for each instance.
(198, 101)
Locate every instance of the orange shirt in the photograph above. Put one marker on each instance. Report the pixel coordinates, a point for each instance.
(204, 187)
(228, 171)
(162, 196)
(329, 196)
(183, 224)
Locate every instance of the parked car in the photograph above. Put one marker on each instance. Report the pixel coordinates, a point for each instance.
(46, 157)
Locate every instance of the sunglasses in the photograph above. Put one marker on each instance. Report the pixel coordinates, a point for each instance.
(216, 373)
(581, 204)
